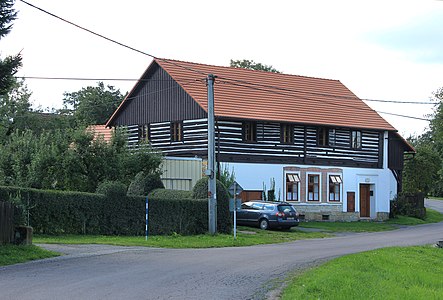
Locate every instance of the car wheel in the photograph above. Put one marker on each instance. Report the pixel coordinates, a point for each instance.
(264, 224)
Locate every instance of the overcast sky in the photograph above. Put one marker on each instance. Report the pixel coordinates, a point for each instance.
(390, 50)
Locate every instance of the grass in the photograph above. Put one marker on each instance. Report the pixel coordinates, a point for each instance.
(432, 216)
(246, 237)
(390, 273)
(435, 198)
(12, 254)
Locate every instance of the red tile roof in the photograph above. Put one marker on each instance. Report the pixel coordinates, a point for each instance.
(259, 95)
(101, 131)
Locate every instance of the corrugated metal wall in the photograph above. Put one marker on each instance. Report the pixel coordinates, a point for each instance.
(181, 173)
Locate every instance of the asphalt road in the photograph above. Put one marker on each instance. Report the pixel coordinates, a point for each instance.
(109, 272)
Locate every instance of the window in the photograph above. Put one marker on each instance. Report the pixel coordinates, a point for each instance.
(331, 137)
(177, 131)
(292, 182)
(313, 187)
(249, 132)
(287, 134)
(323, 136)
(144, 133)
(356, 139)
(335, 182)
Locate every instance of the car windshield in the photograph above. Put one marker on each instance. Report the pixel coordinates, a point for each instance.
(286, 208)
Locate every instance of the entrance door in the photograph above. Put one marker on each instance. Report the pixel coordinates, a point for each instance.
(365, 207)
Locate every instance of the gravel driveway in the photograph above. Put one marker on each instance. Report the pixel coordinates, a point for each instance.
(111, 272)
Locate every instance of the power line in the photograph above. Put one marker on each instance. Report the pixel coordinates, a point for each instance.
(401, 102)
(280, 92)
(111, 40)
(147, 79)
(90, 79)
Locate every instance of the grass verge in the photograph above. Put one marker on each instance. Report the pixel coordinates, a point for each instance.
(390, 273)
(12, 254)
(432, 216)
(246, 237)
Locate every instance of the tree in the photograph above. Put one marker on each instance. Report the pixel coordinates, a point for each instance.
(252, 65)
(10, 65)
(422, 172)
(92, 105)
(14, 108)
(425, 171)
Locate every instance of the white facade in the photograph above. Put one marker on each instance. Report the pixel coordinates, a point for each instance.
(381, 183)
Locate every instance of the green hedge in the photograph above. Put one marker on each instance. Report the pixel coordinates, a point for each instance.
(57, 212)
(224, 220)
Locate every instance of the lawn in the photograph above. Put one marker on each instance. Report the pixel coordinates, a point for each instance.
(432, 216)
(435, 198)
(390, 273)
(11, 254)
(246, 237)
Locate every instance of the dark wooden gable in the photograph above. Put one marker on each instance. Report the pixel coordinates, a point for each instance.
(158, 98)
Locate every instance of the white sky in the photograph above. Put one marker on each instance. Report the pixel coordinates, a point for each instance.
(391, 50)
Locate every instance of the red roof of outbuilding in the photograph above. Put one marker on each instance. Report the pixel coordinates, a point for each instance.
(259, 95)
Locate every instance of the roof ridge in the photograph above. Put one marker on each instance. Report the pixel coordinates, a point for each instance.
(243, 69)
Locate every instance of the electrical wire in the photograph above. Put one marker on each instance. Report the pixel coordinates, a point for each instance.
(278, 91)
(111, 40)
(148, 79)
(200, 72)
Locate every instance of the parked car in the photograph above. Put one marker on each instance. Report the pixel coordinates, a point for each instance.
(266, 214)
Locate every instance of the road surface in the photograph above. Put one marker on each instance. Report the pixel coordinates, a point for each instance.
(110, 272)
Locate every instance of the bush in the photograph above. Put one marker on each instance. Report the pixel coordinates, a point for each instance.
(200, 191)
(58, 212)
(143, 184)
(408, 204)
(112, 189)
(170, 194)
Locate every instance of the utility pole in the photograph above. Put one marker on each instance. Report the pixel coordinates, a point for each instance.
(212, 189)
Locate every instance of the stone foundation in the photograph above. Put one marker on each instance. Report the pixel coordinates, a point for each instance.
(331, 212)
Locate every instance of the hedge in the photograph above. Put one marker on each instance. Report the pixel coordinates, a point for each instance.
(224, 220)
(59, 212)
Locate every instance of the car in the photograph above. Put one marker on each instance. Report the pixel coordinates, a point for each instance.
(267, 214)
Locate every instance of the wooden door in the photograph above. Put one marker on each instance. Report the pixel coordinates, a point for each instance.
(365, 208)
(351, 201)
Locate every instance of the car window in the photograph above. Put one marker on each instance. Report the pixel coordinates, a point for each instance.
(268, 207)
(246, 206)
(257, 206)
(286, 208)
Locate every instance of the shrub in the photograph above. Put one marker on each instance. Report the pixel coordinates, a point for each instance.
(143, 184)
(170, 194)
(59, 212)
(112, 189)
(200, 191)
(408, 204)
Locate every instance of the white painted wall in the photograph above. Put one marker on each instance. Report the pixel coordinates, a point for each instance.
(252, 176)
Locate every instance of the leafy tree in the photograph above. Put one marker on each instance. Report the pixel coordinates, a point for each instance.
(252, 65)
(14, 107)
(226, 176)
(421, 172)
(10, 64)
(92, 105)
(70, 160)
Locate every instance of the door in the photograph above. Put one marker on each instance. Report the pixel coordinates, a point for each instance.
(351, 201)
(365, 195)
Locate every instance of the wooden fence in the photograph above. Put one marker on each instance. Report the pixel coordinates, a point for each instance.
(6, 222)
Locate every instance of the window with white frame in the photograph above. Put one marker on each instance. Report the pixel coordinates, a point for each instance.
(313, 187)
(292, 183)
(335, 182)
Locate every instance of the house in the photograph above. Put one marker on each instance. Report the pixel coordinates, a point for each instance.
(311, 140)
